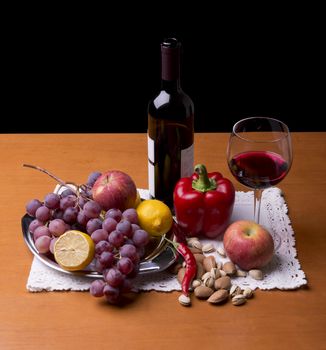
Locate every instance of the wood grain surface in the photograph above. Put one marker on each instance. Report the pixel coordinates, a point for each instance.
(154, 320)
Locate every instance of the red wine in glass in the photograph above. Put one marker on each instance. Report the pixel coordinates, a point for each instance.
(259, 154)
(258, 169)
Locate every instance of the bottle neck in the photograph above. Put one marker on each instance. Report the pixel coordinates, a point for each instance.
(170, 63)
(170, 85)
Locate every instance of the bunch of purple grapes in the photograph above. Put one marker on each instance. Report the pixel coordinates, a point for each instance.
(59, 213)
(119, 240)
(120, 245)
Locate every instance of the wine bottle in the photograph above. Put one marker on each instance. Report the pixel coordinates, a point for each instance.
(170, 128)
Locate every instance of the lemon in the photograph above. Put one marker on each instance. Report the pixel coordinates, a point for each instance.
(74, 250)
(154, 216)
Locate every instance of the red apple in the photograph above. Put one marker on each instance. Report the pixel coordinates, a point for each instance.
(248, 244)
(115, 189)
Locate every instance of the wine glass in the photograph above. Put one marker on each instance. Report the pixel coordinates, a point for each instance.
(259, 154)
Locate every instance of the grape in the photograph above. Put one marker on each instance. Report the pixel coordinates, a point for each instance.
(41, 231)
(106, 259)
(109, 224)
(125, 265)
(114, 213)
(124, 227)
(130, 215)
(42, 244)
(70, 215)
(57, 214)
(81, 202)
(34, 224)
(68, 201)
(52, 201)
(52, 243)
(99, 235)
(32, 206)
(43, 213)
(114, 277)
(135, 227)
(126, 286)
(67, 192)
(128, 250)
(116, 238)
(57, 227)
(140, 238)
(134, 272)
(111, 294)
(103, 246)
(82, 219)
(92, 209)
(96, 288)
(92, 178)
(93, 225)
(129, 241)
(98, 266)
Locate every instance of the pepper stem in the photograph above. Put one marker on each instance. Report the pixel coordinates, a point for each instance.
(203, 183)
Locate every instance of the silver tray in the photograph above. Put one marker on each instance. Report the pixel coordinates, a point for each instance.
(162, 256)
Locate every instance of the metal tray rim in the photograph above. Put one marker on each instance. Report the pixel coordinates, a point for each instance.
(159, 260)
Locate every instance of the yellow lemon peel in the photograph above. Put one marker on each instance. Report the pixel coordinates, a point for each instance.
(155, 217)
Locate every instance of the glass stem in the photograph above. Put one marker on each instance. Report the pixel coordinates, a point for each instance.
(257, 201)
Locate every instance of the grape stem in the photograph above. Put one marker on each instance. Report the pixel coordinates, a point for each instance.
(75, 188)
(46, 172)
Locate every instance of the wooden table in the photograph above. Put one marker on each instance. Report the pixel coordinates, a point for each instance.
(75, 320)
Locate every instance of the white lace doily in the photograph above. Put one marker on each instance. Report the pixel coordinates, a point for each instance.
(283, 272)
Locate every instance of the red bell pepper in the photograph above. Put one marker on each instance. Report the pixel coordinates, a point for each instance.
(203, 203)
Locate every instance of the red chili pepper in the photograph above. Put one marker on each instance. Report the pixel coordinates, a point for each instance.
(178, 233)
(188, 256)
(191, 267)
(204, 203)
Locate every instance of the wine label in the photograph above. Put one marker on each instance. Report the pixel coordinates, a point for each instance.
(151, 168)
(187, 161)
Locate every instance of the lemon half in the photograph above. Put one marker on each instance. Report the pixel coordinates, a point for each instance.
(155, 217)
(74, 250)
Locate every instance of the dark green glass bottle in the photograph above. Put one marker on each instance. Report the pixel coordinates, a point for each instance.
(170, 128)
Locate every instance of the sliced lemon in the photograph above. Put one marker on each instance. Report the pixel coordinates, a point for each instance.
(74, 250)
(154, 216)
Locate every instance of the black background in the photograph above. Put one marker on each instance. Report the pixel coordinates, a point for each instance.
(94, 70)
